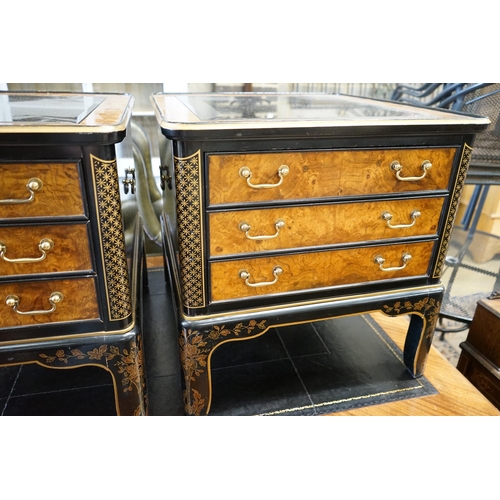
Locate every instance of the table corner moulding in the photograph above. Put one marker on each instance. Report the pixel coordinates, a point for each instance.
(287, 208)
(67, 295)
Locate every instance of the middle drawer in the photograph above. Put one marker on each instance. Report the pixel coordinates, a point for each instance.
(249, 231)
(42, 249)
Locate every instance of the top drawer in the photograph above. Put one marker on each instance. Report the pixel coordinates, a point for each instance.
(40, 190)
(238, 178)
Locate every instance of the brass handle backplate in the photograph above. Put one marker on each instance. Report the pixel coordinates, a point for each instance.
(397, 167)
(245, 275)
(55, 298)
(279, 224)
(246, 173)
(380, 261)
(45, 245)
(32, 186)
(129, 184)
(388, 217)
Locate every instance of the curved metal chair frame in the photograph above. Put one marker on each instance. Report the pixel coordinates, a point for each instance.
(484, 170)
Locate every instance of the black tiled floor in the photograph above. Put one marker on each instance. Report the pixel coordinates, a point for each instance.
(296, 370)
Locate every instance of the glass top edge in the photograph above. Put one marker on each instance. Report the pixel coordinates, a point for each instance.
(40, 111)
(255, 109)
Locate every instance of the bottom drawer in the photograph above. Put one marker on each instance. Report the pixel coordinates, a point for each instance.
(285, 273)
(36, 302)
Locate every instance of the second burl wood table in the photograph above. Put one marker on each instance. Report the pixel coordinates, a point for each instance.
(289, 208)
(67, 294)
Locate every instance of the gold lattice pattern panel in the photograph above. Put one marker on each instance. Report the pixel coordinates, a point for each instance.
(112, 239)
(452, 212)
(189, 219)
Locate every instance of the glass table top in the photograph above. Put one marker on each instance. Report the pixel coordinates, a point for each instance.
(267, 110)
(47, 108)
(63, 112)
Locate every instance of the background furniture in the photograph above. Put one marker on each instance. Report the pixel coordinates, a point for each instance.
(468, 279)
(480, 357)
(65, 290)
(290, 208)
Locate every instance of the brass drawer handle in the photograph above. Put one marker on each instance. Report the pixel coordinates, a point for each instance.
(388, 217)
(33, 186)
(55, 298)
(397, 167)
(279, 224)
(45, 245)
(380, 261)
(246, 173)
(245, 275)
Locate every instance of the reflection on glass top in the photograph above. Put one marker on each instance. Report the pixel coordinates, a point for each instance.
(42, 109)
(315, 107)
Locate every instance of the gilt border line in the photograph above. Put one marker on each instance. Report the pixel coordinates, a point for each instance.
(452, 211)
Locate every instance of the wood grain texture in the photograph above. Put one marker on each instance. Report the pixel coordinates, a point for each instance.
(79, 303)
(312, 270)
(325, 174)
(71, 251)
(456, 395)
(321, 225)
(60, 195)
(481, 373)
(484, 332)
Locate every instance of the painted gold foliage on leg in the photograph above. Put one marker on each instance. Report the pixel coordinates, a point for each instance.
(195, 347)
(129, 364)
(429, 307)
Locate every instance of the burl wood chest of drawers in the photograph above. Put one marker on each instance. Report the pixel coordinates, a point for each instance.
(289, 208)
(66, 295)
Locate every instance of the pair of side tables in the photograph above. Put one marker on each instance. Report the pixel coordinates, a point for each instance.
(278, 209)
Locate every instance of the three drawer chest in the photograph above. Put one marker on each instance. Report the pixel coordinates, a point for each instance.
(283, 209)
(66, 287)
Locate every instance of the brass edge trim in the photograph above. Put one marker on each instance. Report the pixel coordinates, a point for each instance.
(164, 124)
(113, 254)
(452, 211)
(190, 230)
(102, 333)
(242, 312)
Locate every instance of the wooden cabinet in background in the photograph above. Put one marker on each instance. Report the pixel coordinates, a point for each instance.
(480, 357)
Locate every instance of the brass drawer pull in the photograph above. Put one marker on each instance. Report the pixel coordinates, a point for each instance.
(55, 298)
(45, 245)
(245, 275)
(380, 261)
(397, 167)
(246, 173)
(33, 185)
(388, 217)
(279, 224)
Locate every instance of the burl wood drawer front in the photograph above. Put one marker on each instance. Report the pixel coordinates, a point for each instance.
(294, 227)
(40, 190)
(35, 302)
(325, 174)
(237, 279)
(44, 249)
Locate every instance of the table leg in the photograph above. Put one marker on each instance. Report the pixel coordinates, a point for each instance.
(196, 348)
(424, 314)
